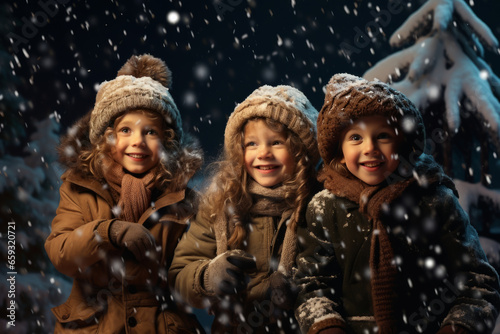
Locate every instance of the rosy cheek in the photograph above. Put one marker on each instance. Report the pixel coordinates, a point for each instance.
(247, 166)
(245, 162)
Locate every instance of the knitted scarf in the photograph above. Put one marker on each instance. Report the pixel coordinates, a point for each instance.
(268, 201)
(132, 194)
(271, 202)
(371, 200)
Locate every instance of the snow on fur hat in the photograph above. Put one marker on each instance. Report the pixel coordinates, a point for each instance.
(142, 83)
(284, 104)
(349, 98)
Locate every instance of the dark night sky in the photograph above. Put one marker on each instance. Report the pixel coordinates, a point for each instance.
(60, 55)
(215, 62)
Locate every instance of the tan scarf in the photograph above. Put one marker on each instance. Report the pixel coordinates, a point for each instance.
(271, 202)
(268, 201)
(371, 200)
(133, 194)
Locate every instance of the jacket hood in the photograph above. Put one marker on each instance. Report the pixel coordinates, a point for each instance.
(428, 172)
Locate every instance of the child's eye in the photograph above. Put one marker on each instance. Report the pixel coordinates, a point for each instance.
(355, 137)
(250, 143)
(124, 130)
(277, 142)
(151, 132)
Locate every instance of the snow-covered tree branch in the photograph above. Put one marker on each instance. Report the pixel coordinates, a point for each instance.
(445, 63)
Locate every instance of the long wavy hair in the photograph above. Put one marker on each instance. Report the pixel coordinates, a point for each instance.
(166, 170)
(228, 195)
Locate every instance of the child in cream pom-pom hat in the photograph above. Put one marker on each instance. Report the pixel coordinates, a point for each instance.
(124, 204)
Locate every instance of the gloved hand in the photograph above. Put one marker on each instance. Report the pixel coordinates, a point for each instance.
(134, 237)
(227, 274)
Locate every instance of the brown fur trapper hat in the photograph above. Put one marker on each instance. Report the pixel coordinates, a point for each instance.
(349, 98)
(142, 83)
(284, 104)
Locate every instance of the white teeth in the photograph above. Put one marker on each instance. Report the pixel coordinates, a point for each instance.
(265, 167)
(137, 156)
(371, 165)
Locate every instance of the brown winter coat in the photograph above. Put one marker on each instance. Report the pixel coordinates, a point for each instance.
(112, 292)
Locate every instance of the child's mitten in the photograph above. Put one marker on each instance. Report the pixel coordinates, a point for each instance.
(134, 237)
(226, 273)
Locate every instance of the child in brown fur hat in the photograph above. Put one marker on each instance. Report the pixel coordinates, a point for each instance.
(238, 256)
(387, 247)
(124, 204)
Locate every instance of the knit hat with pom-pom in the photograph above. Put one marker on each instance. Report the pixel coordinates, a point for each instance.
(142, 83)
(349, 98)
(284, 104)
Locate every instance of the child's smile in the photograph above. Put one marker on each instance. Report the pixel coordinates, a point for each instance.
(137, 157)
(137, 144)
(372, 165)
(370, 149)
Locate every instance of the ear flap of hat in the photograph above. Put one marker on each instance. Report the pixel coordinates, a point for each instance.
(147, 66)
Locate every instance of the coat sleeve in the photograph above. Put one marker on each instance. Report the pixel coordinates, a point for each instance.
(476, 282)
(193, 253)
(75, 244)
(318, 277)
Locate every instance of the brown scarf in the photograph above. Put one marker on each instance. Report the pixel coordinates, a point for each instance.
(371, 200)
(132, 194)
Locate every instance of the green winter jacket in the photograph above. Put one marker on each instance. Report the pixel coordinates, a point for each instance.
(204, 240)
(444, 277)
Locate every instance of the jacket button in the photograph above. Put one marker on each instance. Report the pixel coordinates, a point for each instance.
(65, 316)
(132, 289)
(132, 322)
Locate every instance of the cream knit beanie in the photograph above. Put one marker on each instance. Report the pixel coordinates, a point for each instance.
(142, 83)
(284, 104)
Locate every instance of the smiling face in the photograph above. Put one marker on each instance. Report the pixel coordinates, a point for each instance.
(137, 142)
(267, 157)
(370, 148)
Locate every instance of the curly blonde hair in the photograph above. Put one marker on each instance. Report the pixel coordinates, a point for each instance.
(165, 172)
(228, 193)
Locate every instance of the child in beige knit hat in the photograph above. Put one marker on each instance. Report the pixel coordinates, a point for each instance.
(124, 204)
(238, 257)
(387, 247)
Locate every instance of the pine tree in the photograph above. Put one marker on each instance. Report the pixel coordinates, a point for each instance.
(29, 196)
(443, 72)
